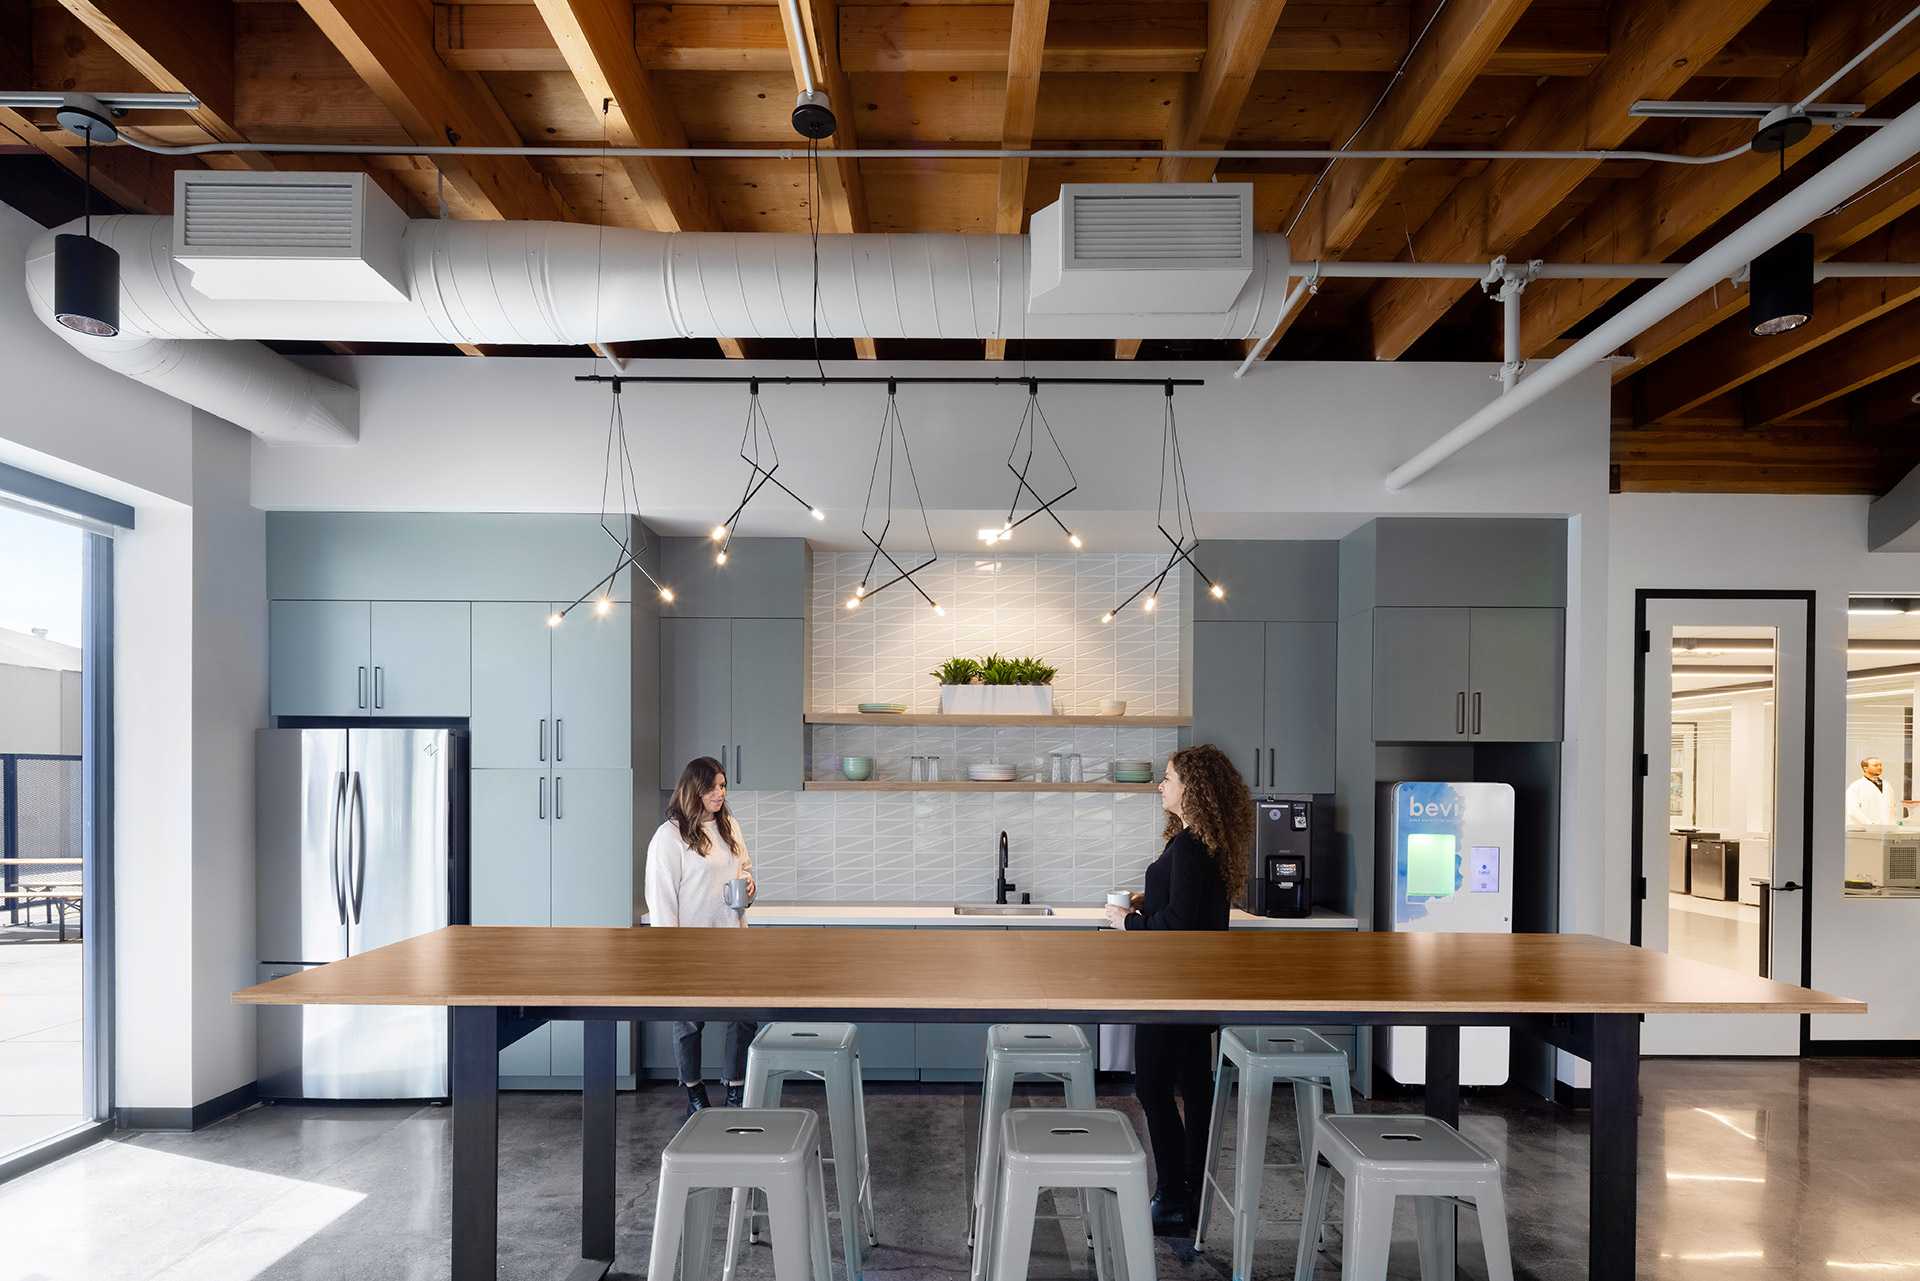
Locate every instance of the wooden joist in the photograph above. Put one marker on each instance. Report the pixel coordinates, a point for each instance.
(1208, 105)
(1026, 49)
(1882, 346)
(1810, 459)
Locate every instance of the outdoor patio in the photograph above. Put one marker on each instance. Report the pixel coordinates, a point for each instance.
(39, 1033)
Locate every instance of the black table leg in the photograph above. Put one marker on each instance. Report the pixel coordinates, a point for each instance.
(1443, 1104)
(476, 1142)
(1615, 1146)
(596, 1151)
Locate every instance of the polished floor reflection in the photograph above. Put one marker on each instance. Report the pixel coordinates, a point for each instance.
(1760, 1170)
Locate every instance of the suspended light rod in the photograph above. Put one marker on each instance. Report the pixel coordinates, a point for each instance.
(801, 380)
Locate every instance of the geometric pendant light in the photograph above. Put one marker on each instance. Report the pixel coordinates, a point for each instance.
(1184, 537)
(1032, 422)
(892, 446)
(759, 475)
(619, 461)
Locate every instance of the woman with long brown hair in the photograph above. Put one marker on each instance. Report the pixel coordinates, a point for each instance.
(690, 859)
(1191, 886)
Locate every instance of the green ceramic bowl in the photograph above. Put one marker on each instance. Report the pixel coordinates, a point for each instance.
(858, 769)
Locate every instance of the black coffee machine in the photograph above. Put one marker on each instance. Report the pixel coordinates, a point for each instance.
(1279, 882)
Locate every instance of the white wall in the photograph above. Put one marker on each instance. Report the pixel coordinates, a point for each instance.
(1781, 543)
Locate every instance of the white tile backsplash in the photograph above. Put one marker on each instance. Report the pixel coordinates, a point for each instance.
(942, 846)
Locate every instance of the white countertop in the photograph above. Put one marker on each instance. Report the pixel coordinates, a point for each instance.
(768, 912)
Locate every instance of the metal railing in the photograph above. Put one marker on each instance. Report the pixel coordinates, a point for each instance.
(42, 836)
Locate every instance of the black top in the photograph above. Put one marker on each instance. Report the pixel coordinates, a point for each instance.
(1184, 890)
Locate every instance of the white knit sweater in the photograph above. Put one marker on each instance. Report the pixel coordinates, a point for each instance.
(684, 888)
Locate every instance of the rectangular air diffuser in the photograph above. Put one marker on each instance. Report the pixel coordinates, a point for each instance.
(1142, 248)
(323, 237)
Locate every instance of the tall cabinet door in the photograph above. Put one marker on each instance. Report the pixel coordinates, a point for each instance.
(1300, 706)
(422, 658)
(592, 689)
(320, 663)
(768, 719)
(696, 692)
(592, 878)
(1420, 674)
(1517, 675)
(512, 705)
(512, 877)
(1229, 662)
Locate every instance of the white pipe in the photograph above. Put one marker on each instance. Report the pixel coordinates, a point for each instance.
(1856, 60)
(1310, 285)
(1510, 291)
(800, 43)
(1576, 270)
(1864, 164)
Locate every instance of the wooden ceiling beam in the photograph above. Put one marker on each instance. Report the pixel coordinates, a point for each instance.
(135, 180)
(1653, 217)
(843, 189)
(389, 44)
(495, 37)
(1657, 46)
(596, 38)
(1892, 399)
(1873, 351)
(1344, 205)
(1026, 48)
(1807, 459)
(1208, 105)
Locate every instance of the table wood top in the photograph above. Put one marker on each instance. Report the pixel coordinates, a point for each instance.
(1003, 970)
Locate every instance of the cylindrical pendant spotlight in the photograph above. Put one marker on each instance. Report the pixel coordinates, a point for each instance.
(1781, 280)
(86, 285)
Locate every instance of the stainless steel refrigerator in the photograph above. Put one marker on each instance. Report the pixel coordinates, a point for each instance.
(361, 843)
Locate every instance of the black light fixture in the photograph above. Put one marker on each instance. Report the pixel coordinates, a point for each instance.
(619, 462)
(1780, 296)
(893, 446)
(759, 432)
(86, 273)
(1032, 423)
(1185, 535)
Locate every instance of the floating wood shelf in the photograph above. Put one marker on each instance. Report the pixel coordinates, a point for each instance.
(1034, 722)
(963, 785)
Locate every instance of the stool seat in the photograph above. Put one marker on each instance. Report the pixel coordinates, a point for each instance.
(1261, 1058)
(799, 1038)
(1038, 1040)
(1382, 1158)
(776, 1150)
(1094, 1150)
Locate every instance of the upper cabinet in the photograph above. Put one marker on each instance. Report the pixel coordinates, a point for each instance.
(370, 658)
(547, 696)
(732, 689)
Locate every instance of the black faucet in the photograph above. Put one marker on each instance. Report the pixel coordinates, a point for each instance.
(1000, 882)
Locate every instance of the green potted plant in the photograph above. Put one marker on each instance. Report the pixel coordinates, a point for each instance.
(995, 686)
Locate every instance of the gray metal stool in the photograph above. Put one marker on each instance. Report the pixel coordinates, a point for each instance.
(1263, 1057)
(776, 1150)
(1094, 1151)
(1022, 1052)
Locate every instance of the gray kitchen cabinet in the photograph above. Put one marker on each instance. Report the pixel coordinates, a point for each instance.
(950, 1051)
(769, 727)
(1264, 694)
(887, 1052)
(512, 685)
(592, 847)
(1515, 675)
(592, 689)
(569, 1052)
(422, 654)
(696, 692)
(511, 878)
(1451, 674)
(732, 688)
(320, 657)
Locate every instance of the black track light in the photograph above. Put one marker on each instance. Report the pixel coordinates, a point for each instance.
(1781, 286)
(86, 273)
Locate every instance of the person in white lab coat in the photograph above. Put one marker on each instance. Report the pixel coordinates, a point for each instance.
(1868, 804)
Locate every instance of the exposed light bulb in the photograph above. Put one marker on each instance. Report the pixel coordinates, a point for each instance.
(1074, 539)
(719, 532)
(553, 620)
(816, 513)
(1007, 525)
(853, 602)
(1107, 617)
(602, 605)
(721, 559)
(666, 593)
(1219, 592)
(1149, 602)
(939, 611)
(860, 591)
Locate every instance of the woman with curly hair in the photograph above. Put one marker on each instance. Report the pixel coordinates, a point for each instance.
(1191, 886)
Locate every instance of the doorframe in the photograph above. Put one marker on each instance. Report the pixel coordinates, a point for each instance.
(1638, 765)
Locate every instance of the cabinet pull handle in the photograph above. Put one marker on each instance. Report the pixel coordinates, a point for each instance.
(1273, 775)
(723, 759)
(379, 687)
(1460, 712)
(1256, 767)
(363, 687)
(559, 740)
(1476, 711)
(543, 738)
(543, 796)
(559, 797)
(738, 756)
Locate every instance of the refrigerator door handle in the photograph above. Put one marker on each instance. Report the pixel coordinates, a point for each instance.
(357, 843)
(336, 819)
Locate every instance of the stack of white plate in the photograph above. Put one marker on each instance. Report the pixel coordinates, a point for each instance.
(991, 772)
(1133, 771)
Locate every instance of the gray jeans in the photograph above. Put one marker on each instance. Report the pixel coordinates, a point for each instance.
(686, 1050)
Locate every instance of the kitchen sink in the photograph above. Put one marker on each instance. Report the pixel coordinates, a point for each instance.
(1001, 909)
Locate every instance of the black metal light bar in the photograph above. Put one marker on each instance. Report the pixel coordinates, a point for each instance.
(794, 380)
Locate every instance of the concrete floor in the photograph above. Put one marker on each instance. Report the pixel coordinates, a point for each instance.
(39, 1036)
(1753, 1169)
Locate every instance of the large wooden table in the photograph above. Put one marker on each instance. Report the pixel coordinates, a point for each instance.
(1577, 992)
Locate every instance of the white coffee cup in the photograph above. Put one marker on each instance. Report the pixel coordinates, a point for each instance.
(736, 895)
(1122, 899)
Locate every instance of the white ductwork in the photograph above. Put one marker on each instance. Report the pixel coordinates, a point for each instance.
(549, 283)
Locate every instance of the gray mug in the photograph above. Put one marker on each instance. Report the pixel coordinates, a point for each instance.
(736, 894)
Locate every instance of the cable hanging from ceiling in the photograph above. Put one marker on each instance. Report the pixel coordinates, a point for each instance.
(1032, 422)
(631, 538)
(892, 445)
(1185, 535)
(759, 475)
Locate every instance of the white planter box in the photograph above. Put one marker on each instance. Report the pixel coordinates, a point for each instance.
(996, 700)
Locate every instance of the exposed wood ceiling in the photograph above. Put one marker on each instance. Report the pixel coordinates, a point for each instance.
(1699, 405)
